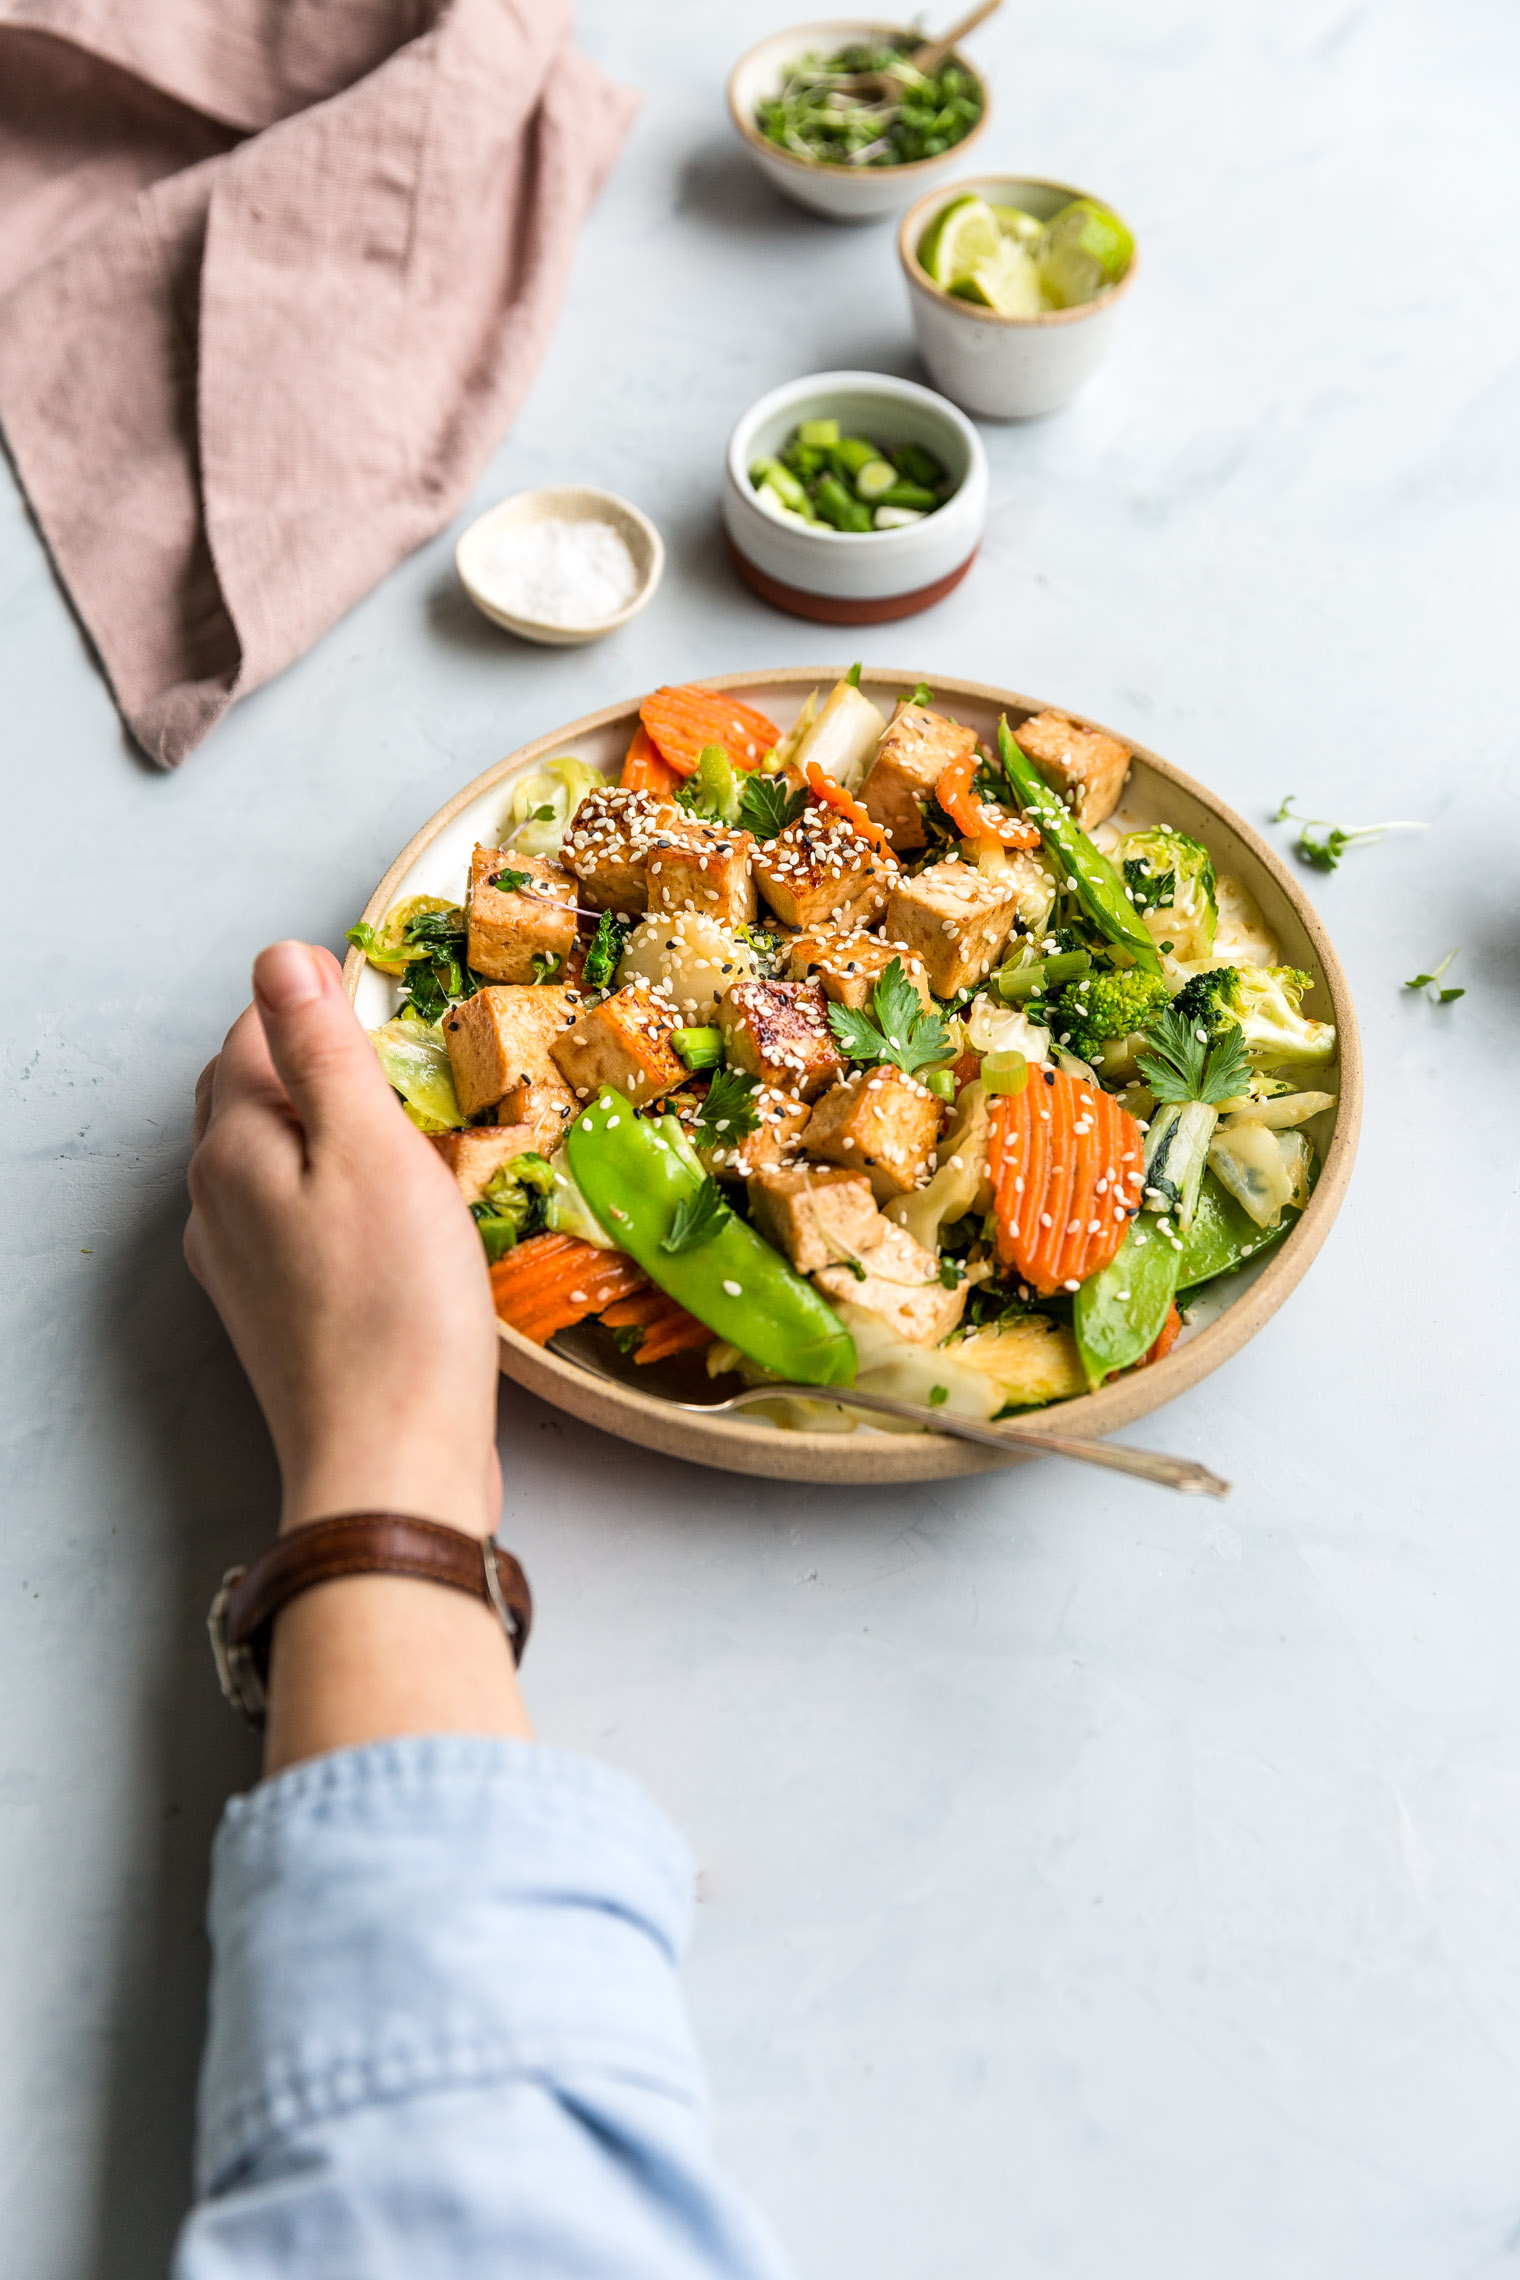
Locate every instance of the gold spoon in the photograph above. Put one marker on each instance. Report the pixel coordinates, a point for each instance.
(1180, 1473)
(925, 59)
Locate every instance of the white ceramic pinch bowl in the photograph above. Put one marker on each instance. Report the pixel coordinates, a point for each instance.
(566, 502)
(842, 193)
(1005, 368)
(856, 577)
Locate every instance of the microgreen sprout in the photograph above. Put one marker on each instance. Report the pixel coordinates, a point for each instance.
(1425, 982)
(1325, 854)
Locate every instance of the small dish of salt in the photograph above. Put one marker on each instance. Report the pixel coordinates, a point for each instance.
(562, 566)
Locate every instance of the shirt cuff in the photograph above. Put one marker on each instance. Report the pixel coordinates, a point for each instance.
(432, 1913)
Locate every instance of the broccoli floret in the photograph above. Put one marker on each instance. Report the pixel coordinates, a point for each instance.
(1262, 1001)
(1171, 879)
(1086, 1013)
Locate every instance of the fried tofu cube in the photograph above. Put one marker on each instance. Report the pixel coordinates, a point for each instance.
(879, 1122)
(780, 1117)
(820, 868)
(849, 963)
(701, 867)
(901, 1285)
(607, 846)
(544, 1106)
(509, 929)
(780, 1032)
(782, 1121)
(474, 1157)
(956, 919)
(499, 1039)
(818, 1217)
(623, 1042)
(1088, 769)
(910, 759)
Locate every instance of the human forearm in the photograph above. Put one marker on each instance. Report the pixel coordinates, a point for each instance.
(351, 1279)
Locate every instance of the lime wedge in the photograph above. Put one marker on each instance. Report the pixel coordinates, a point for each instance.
(962, 234)
(1087, 248)
(1022, 227)
(1009, 282)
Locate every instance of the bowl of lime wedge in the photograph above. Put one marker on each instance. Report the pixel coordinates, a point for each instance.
(1015, 286)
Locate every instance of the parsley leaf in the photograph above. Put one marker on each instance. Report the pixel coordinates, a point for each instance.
(728, 1113)
(901, 1031)
(766, 807)
(512, 882)
(698, 1218)
(546, 965)
(922, 695)
(1180, 1066)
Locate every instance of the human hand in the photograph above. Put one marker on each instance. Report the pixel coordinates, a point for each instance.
(334, 1245)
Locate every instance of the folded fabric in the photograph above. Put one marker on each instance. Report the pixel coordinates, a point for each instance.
(274, 277)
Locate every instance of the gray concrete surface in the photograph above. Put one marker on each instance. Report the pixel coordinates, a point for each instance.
(1093, 1884)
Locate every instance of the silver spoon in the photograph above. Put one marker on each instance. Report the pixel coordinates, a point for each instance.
(1180, 1473)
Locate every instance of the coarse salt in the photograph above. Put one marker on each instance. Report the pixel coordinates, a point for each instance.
(556, 572)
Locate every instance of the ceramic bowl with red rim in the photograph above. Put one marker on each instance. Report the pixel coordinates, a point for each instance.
(855, 577)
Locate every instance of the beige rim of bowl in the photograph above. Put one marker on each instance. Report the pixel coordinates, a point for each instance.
(735, 1445)
(763, 143)
(911, 228)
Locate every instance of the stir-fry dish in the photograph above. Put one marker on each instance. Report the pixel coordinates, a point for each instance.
(869, 105)
(858, 1053)
(831, 481)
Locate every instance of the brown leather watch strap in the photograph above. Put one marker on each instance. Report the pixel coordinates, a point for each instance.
(353, 1543)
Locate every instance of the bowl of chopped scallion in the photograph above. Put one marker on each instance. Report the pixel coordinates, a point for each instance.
(853, 498)
(838, 117)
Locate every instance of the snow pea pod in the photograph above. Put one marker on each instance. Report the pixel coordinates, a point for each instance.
(635, 1177)
(1121, 1311)
(1223, 1236)
(1099, 887)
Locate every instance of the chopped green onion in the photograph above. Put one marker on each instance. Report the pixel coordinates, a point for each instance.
(1005, 1072)
(699, 1048)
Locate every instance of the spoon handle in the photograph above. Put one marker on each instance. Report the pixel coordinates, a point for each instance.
(1180, 1473)
(932, 54)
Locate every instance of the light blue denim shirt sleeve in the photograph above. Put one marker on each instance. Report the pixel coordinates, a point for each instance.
(447, 2035)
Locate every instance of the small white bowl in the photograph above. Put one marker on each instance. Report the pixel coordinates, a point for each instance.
(843, 193)
(1005, 368)
(856, 577)
(570, 502)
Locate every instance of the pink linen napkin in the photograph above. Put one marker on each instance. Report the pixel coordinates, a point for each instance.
(274, 277)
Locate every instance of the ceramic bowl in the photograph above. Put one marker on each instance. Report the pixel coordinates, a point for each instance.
(568, 502)
(843, 193)
(1005, 368)
(1229, 1313)
(849, 577)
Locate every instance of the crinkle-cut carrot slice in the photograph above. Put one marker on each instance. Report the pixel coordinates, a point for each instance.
(553, 1281)
(643, 769)
(1171, 1330)
(1074, 1227)
(1037, 1139)
(667, 1327)
(683, 721)
(977, 818)
(832, 793)
(635, 1313)
(668, 1337)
